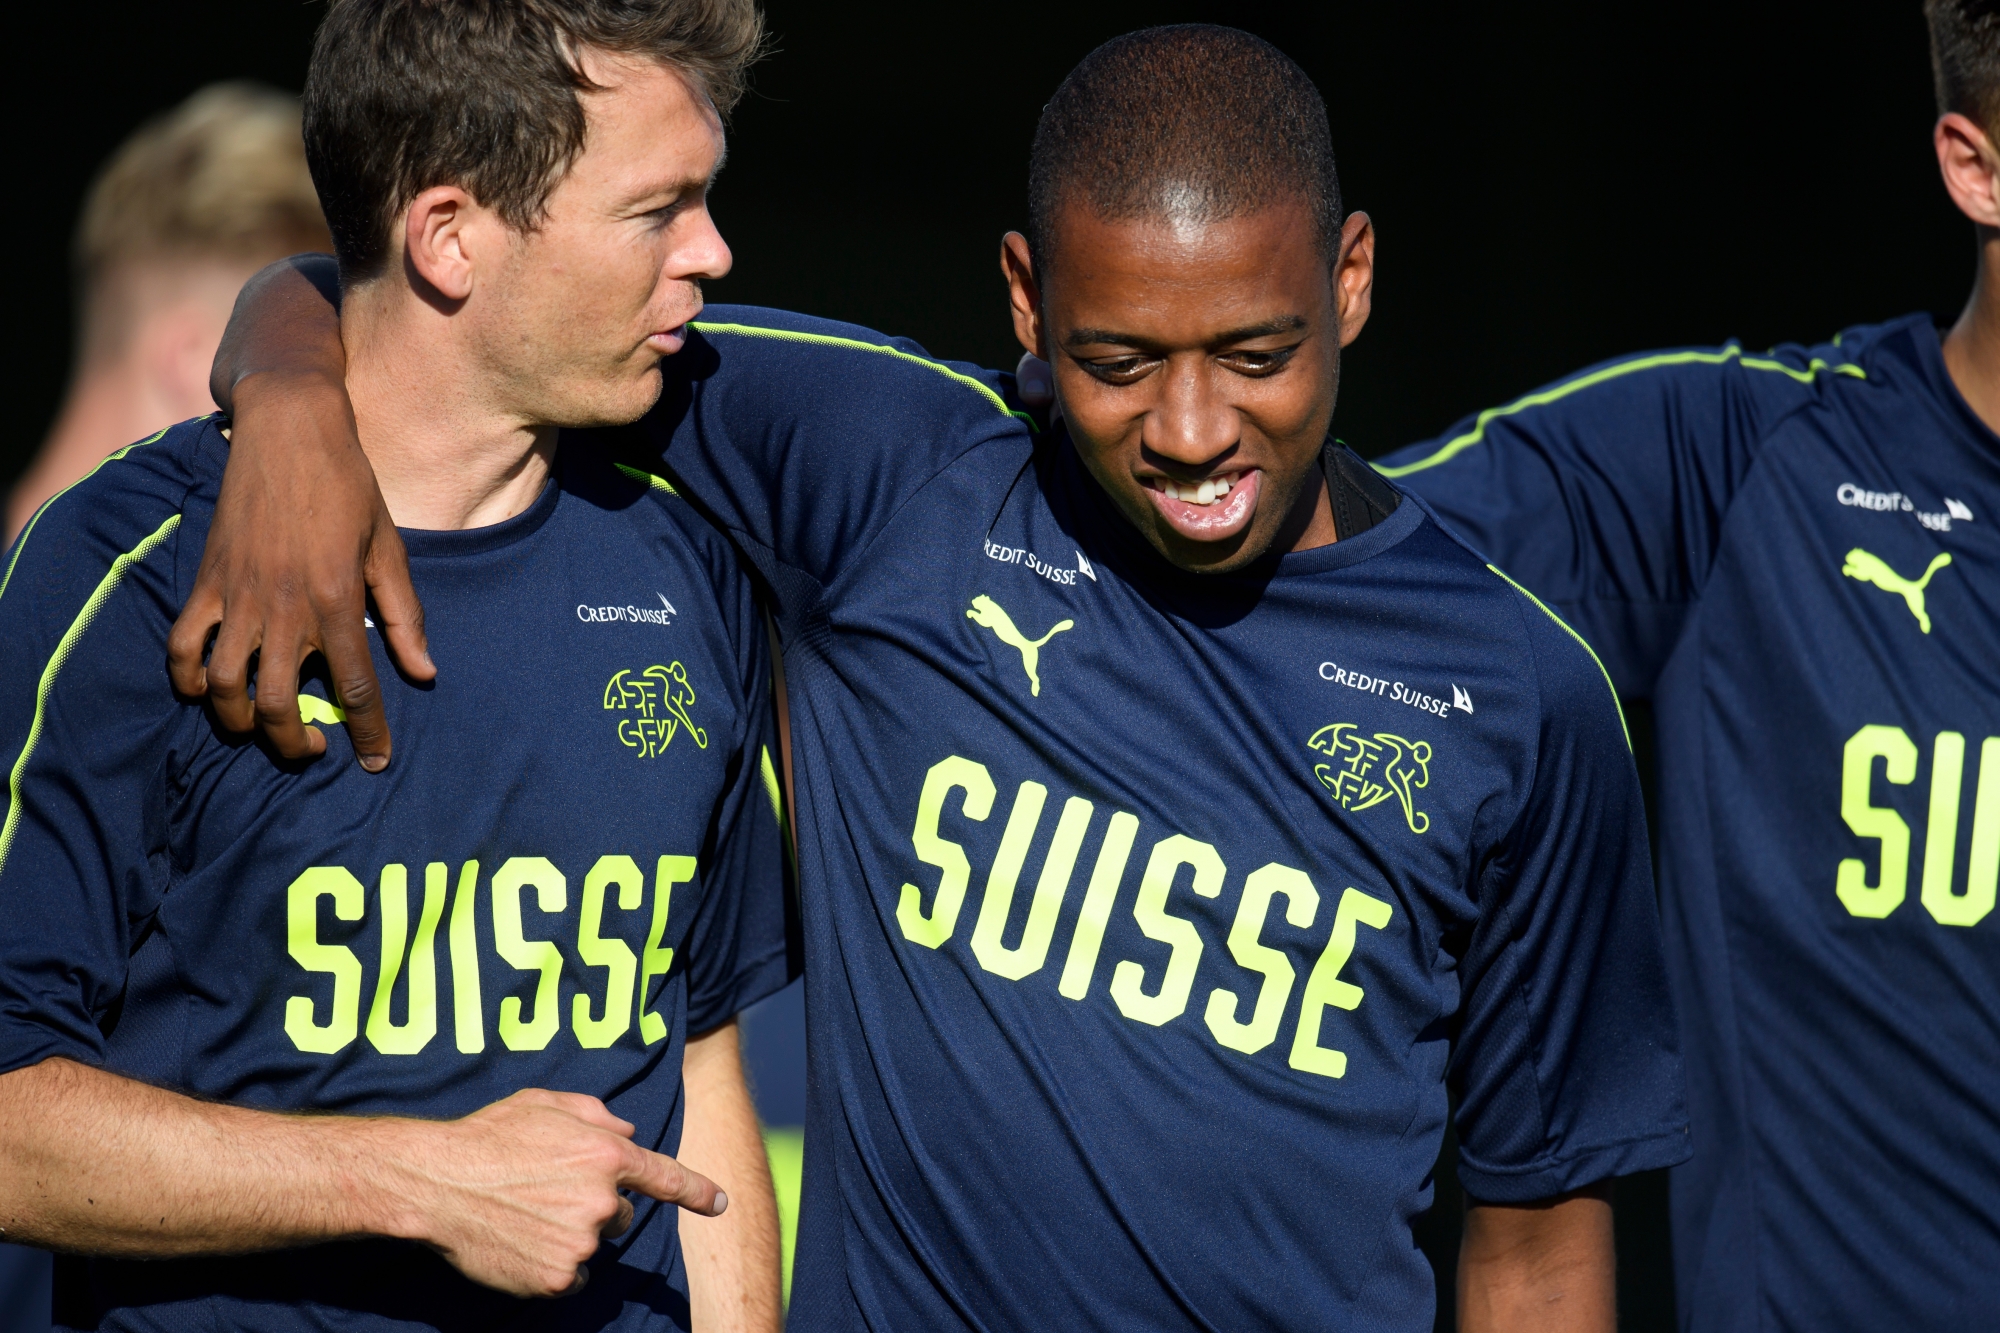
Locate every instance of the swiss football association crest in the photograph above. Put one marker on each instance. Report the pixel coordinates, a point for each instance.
(1366, 770)
(653, 704)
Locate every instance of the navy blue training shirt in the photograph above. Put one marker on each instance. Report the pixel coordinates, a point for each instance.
(573, 863)
(1149, 917)
(1796, 555)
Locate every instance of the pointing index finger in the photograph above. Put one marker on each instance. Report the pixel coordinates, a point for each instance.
(658, 1176)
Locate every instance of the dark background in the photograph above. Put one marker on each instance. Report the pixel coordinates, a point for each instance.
(1551, 187)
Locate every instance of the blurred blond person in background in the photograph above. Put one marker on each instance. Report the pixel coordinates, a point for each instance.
(186, 210)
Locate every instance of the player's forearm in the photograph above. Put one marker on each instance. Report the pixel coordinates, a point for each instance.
(732, 1260)
(99, 1164)
(286, 326)
(1547, 1267)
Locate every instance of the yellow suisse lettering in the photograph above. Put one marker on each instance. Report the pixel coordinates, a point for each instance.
(302, 939)
(1982, 873)
(421, 1022)
(987, 932)
(1324, 987)
(670, 871)
(613, 955)
(551, 896)
(1941, 836)
(1941, 831)
(1899, 754)
(468, 1018)
(932, 849)
(1301, 905)
(1098, 899)
(1150, 911)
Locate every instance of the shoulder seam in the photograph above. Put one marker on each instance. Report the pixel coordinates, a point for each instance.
(858, 556)
(1458, 444)
(1513, 870)
(64, 647)
(1582, 642)
(651, 479)
(21, 542)
(856, 344)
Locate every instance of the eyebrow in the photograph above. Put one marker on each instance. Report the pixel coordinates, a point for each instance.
(678, 189)
(686, 184)
(1265, 329)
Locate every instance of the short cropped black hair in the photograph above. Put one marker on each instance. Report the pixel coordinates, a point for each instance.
(1965, 58)
(1193, 122)
(404, 95)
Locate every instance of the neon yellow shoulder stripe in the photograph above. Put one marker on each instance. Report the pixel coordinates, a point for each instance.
(1580, 639)
(777, 795)
(771, 788)
(657, 483)
(828, 340)
(66, 645)
(1458, 444)
(22, 541)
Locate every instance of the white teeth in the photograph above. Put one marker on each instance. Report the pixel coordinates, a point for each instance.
(1206, 493)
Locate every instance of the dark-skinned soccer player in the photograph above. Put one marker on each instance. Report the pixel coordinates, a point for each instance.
(1184, 815)
(1796, 556)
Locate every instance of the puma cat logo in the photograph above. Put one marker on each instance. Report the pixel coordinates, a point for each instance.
(985, 611)
(1871, 568)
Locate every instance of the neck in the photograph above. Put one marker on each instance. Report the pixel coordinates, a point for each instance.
(1972, 348)
(110, 404)
(113, 404)
(446, 453)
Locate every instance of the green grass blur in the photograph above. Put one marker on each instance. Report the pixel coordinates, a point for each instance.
(786, 1147)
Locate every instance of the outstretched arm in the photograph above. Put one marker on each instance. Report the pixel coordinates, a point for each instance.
(300, 535)
(1544, 1267)
(516, 1196)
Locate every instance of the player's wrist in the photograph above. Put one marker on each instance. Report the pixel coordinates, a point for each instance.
(299, 393)
(387, 1181)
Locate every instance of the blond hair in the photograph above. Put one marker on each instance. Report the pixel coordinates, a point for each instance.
(221, 176)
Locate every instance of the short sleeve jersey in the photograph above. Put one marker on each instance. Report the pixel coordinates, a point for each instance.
(1796, 555)
(1150, 918)
(573, 862)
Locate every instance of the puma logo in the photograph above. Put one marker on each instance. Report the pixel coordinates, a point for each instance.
(1871, 568)
(985, 611)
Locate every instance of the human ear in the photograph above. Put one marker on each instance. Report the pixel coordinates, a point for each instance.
(1354, 276)
(434, 240)
(1018, 267)
(1970, 168)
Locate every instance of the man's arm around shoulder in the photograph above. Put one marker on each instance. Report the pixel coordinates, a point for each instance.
(516, 1195)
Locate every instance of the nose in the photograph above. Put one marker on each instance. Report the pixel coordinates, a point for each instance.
(1191, 423)
(701, 253)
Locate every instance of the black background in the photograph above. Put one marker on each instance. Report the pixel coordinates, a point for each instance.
(1551, 185)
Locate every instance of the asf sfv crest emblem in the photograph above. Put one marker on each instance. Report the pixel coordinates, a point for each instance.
(1367, 770)
(654, 703)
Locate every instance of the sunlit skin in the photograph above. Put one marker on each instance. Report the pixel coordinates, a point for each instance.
(520, 331)
(1970, 166)
(605, 285)
(1192, 352)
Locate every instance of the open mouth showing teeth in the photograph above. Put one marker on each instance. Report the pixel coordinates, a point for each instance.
(1208, 491)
